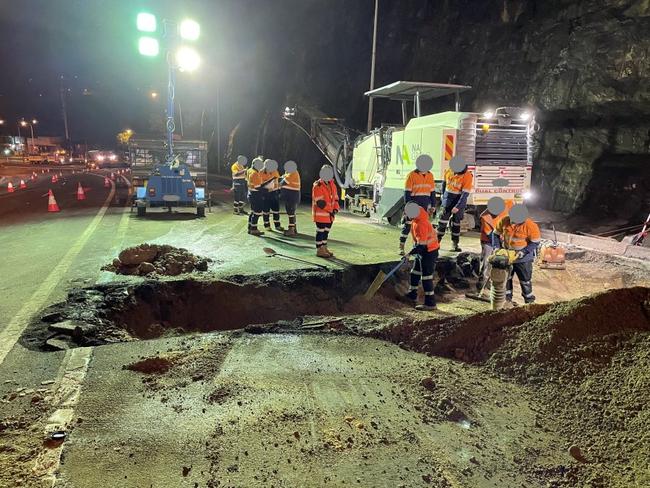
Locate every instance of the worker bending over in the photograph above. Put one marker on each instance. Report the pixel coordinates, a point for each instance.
(325, 206)
(518, 233)
(456, 186)
(239, 184)
(420, 188)
(290, 188)
(425, 251)
(255, 195)
(271, 194)
(497, 209)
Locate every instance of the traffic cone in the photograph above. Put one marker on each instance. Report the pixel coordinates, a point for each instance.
(23, 185)
(81, 195)
(107, 182)
(55, 178)
(10, 187)
(52, 206)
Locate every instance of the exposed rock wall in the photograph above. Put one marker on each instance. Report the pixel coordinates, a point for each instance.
(584, 65)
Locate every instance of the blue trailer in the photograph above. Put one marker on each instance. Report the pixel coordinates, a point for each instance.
(161, 182)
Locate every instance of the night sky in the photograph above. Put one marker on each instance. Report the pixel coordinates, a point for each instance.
(88, 49)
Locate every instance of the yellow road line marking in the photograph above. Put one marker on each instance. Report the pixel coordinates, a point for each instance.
(10, 335)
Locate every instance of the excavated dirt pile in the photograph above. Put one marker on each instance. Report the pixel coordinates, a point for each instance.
(587, 360)
(155, 259)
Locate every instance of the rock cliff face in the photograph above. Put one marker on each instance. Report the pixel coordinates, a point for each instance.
(584, 65)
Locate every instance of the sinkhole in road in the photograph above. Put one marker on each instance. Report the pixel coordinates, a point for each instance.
(119, 312)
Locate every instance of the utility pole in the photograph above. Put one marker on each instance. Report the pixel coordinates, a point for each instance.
(372, 64)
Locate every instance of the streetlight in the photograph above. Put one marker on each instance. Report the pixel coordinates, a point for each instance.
(179, 57)
(31, 125)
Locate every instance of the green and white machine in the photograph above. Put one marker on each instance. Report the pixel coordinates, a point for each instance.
(497, 146)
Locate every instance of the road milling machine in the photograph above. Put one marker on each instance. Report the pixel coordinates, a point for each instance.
(371, 168)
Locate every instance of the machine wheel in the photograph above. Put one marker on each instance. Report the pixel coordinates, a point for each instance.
(142, 210)
(200, 211)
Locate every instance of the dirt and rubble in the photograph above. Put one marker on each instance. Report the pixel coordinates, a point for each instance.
(552, 395)
(156, 260)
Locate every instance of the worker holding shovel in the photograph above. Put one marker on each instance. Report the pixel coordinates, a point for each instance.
(325, 206)
(425, 251)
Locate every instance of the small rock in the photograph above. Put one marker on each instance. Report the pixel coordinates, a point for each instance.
(146, 268)
(428, 383)
(68, 327)
(576, 453)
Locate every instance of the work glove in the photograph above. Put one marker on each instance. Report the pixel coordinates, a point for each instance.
(455, 210)
(418, 250)
(320, 204)
(432, 211)
(520, 255)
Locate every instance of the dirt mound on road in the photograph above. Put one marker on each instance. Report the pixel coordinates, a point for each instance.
(155, 259)
(586, 360)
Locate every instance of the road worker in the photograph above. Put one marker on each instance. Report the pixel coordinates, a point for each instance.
(290, 188)
(239, 184)
(420, 188)
(518, 233)
(271, 194)
(425, 251)
(325, 206)
(456, 187)
(255, 195)
(497, 208)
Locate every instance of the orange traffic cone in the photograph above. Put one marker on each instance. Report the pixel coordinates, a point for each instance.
(81, 195)
(10, 187)
(22, 185)
(107, 182)
(52, 206)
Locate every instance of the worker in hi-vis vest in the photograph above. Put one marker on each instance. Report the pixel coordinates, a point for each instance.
(457, 185)
(325, 206)
(517, 232)
(420, 187)
(239, 184)
(290, 188)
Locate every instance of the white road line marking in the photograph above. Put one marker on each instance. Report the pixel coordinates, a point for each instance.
(72, 374)
(10, 335)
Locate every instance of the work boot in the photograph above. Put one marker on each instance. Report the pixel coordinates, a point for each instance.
(242, 212)
(255, 232)
(267, 227)
(529, 299)
(329, 252)
(401, 249)
(321, 252)
(290, 232)
(425, 308)
(279, 228)
(455, 247)
(235, 211)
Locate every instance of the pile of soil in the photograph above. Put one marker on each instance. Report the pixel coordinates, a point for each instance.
(586, 360)
(155, 259)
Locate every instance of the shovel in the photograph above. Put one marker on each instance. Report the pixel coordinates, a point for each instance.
(381, 278)
(271, 253)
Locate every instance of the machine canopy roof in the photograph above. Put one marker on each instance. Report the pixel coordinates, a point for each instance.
(406, 90)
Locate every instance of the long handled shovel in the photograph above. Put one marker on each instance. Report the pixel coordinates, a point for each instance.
(272, 253)
(381, 278)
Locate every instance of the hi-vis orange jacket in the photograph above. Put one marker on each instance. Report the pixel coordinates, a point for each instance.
(523, 237)
(489, 223)
(238, 171)
(255, 180)
(458, 183)
(423, 232)
(291, 181)
(328, 193)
